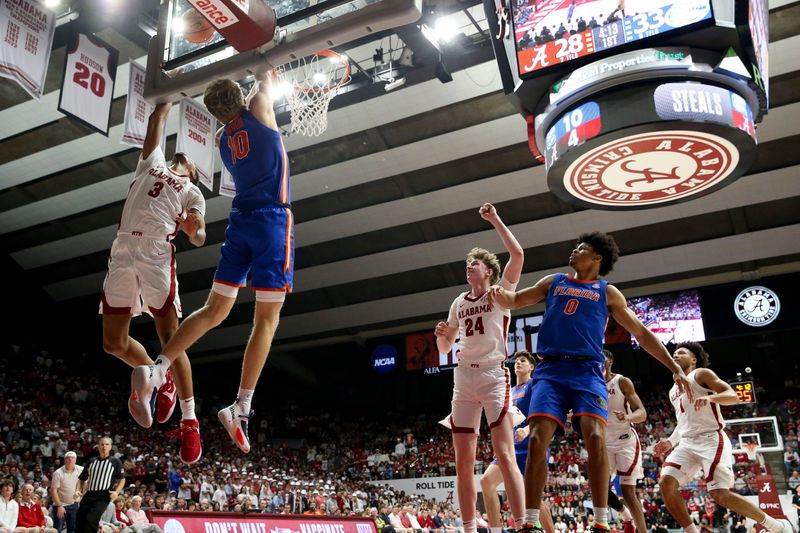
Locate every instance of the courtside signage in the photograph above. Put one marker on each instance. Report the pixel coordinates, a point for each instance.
(384, 358)
(757, 306)
(193, 522)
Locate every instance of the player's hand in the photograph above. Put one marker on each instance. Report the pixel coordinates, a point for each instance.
(699, 403)
(621, 416)
(488, 212)
(662, 447)
(498, 295)
(521, 434)
(683, 384)
(441, 329)
(190, 224)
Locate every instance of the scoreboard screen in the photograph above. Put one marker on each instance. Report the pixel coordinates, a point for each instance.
(745, 390)
(552, 32)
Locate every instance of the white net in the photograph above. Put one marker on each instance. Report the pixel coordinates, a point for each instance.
(309, 85)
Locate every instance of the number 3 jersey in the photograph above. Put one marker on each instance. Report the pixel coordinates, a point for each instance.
(575, 318)
(157, 197)
(256, 158)
(482, 328)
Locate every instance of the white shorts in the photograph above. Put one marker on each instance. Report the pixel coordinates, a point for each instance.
(141, 277)
(625, 458)
(710, 452)
(486, 389)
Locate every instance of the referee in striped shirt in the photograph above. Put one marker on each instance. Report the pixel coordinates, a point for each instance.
(100, 483)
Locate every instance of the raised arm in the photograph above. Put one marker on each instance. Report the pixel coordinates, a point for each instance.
(723, 393)
(516, 258)
(155, 129)
(260, 100)
(627, 319)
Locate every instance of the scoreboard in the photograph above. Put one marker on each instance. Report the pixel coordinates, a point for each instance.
(745, 390)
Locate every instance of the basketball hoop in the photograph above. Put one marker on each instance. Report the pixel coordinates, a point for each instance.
(751, 449)
(309, 84)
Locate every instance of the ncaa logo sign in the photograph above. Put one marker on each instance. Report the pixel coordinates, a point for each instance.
(384, 359)
(650, 169)
(757, 306)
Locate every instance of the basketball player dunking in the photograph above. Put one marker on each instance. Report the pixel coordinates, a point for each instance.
(699, 442)
(622, 441)
(141, 268)
(481, 380)
(259, 240)
(570, 374)
(524, 363)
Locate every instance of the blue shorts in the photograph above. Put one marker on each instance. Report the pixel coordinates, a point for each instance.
(261, 242)
(564, 384)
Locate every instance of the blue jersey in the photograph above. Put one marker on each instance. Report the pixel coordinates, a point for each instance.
(256, 158)
(521, 395)
(575, 318)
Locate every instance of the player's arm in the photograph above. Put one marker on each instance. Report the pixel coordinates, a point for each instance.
(627, 319)
(723, 393)
(523, 298)
(259, 101)
(194, 226)
(513, 268)
(218, 136)
(638, 413)
(155, 129)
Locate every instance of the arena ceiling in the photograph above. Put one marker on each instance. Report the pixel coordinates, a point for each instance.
(386, 200)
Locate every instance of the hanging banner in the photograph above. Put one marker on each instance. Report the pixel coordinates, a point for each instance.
(90, 69)
(196, 139)
(137, 109)
(27, 30)
(226, 185)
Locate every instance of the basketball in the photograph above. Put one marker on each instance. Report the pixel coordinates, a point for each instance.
(196, 29)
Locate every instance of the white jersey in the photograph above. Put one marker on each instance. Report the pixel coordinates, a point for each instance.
(482, 328)
(88, 87)
(695, 422)
(157, 197)
(617, 402)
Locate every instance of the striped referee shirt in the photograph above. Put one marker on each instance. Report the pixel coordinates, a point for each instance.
(102, 474)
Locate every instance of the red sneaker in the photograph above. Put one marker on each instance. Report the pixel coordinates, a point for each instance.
(189, 433)
(166, 400)
(628, 527)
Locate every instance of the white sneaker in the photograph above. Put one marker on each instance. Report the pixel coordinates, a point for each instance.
(145, 382)
(236, 425)
(788, 527)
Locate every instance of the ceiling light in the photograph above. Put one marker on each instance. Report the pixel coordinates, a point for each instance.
(52, 3)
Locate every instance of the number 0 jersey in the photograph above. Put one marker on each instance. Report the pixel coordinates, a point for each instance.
(482, 328)
(157, 196)
(256, 158)
(575, 318)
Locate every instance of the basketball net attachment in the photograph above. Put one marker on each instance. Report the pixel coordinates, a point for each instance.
(751, 449)
(309, 84)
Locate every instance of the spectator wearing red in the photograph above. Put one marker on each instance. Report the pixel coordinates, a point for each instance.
(31, 517)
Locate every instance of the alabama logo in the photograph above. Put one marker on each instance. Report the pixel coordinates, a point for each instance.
(651, 168)
(757, 306)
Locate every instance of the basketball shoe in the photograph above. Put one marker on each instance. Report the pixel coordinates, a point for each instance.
(145, 382)
(236, 424)
(189, 433)
(788, 527)
(167, 398)
(527, 527)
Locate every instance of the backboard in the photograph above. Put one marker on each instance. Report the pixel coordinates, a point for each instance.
(763, 431)
(177, 68)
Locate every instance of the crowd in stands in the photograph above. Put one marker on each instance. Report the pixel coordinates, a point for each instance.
(305, 462)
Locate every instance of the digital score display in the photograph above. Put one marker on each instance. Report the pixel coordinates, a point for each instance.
(745, 390)
(551, 32)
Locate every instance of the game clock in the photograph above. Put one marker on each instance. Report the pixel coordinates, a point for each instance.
(746, 391)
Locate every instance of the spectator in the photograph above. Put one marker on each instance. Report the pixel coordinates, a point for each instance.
(138, 518)
(31, 516)
(62, 491)
(9, 508)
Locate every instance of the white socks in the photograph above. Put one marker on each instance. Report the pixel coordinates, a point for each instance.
(601, 516)
(626, 515)
(495, 530)
(532, 516)
(770, 523)
(244, 398)
(187, 409)
(470, 527)
(691, 529)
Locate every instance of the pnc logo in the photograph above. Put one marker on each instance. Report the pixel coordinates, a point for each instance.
(651, 168)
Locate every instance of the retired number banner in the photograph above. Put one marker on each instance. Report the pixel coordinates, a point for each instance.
(26, 28)
(137, 109)
(196, 139)
(226, 185)
(90, 69)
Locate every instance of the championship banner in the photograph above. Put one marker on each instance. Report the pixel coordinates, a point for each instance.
(27, 29)
(194, 522)
(196, 139)
(137, 109)
(226, 185)
(87, 89)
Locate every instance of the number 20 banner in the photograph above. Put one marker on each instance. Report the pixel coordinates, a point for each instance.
(196, 139)
(87, 89)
